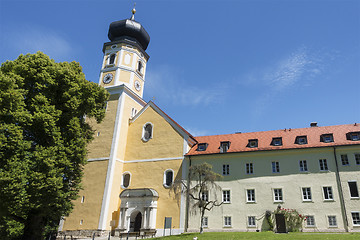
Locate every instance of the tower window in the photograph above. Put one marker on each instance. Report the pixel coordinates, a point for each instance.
(126, 180)
(112, 59)
(147, 132)
(133, 112)
(140, 67)
(168, 178)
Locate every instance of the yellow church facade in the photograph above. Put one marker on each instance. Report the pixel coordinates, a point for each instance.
(138, 153)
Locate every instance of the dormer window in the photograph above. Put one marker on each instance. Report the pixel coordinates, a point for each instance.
(327, 138)
(202, 147)
(253, 143)
(353, 136)
(301, 140)
(276, 141)
(224, 147)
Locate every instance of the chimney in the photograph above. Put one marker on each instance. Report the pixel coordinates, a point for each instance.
(313, 124)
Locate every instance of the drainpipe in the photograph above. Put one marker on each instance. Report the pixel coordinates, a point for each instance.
(341, 194)
(187, 199)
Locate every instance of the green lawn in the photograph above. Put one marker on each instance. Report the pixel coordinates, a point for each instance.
(263, 235)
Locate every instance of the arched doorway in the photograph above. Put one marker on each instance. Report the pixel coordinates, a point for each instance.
(137, 224)
(138, 209)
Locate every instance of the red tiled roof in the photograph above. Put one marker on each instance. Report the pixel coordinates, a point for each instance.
(239, 141)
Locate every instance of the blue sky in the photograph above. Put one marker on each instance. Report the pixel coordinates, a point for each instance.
(215, 67)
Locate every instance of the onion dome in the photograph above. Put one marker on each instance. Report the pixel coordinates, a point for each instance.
(129, 29)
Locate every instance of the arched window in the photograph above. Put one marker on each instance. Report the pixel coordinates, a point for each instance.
(140, 67)
(168, 178)
(126, 180)
(147, 132)
(112, 58)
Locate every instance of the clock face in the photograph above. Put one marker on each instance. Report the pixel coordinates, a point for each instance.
(137, 85)
(108, 78)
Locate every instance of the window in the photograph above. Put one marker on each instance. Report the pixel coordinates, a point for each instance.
(275, 167)
(224, 147)
(310, 221)
(278, 197)
(140, 67)
(250, 195)
(126, 180)
(81, 222)
(168, 178)
(252, 143)
(356, 218)
(227, 221)
(303, 166)
(306, 192)
(354, 193)
(323, 165)
(328, 195)
(357, 158)
(226, 196)
(344, 160)
(201, 147)
(133, 112)
(112, 59)
(226, 169)
(82, 199)
(332, 221)
(327, 138)
(276, 141)
(301, 140)
(205, 196)
(205, 222)
(249, 168)
(147, 132)
(251, 221)
(353, 136)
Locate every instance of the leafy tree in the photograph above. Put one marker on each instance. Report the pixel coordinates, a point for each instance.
(43, 139)
(201, 180)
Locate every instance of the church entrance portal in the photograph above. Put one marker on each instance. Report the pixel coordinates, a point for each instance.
(138, 210)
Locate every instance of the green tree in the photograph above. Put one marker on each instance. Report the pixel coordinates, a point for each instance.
(43, 139)
(201, 180)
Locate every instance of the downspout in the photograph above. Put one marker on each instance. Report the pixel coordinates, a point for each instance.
(341, 195)
(187, 199)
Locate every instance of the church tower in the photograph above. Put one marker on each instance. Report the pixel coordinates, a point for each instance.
(122, 74)
(125, 58)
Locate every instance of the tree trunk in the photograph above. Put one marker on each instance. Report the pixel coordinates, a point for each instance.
(34, 227)
(202, 220)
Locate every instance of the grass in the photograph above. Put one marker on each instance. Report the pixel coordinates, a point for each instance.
(263, 235)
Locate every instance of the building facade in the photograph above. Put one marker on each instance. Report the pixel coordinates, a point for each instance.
(313, 170)
(139, 151)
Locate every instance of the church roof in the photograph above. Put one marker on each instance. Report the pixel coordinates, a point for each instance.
(313, 137)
